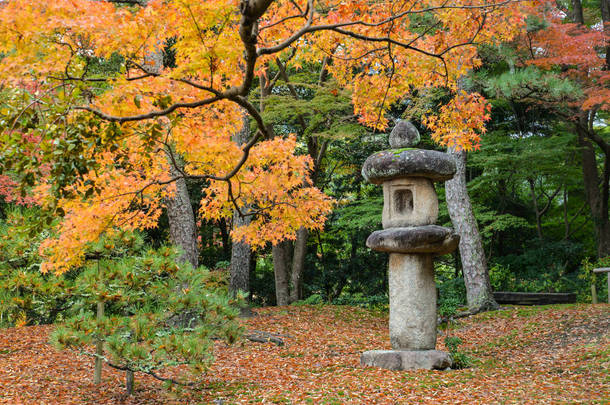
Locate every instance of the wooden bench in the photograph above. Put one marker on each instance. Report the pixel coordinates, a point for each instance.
(593, 290)
(526, 298)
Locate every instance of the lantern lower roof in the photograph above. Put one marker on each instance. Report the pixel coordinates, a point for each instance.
(432, 239)
(408, 162)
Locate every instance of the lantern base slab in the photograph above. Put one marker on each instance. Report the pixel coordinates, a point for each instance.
(407, 359)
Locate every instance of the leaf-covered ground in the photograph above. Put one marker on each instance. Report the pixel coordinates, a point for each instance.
(524, 355)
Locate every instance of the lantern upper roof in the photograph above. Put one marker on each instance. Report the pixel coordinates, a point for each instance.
(408, 162)
(404, 160)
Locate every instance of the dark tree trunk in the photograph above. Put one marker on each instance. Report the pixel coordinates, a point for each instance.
(605, 11)
(474, 265)
(281, 265)
(540, 211)
(536, 209)
(597, 186)
(597, 198)
(577, 14)
(240, 252)
(298, 265)
(182, 226)
(129, 382)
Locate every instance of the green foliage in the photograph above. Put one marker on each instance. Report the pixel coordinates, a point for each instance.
(338, 261)
(460, 359)
(530, 82)
(28, 297)
(535, 23)
(161, 314)
(363, 214)
(262, 282)
(320, 109)
(314, 299)
(528, 166)
(452, 293)
(544, 267)
(380, 302)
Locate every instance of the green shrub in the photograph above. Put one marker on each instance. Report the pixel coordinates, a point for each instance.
(545, 266)
(364, 301)
(448, 306)
(161, 314)
(315, 299)
(451, 290)
(460, 359)
(31, 298)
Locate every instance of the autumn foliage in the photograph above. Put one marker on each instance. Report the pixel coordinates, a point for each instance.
(136, 128)
(577, 50)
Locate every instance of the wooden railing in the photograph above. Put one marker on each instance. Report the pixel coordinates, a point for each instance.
(593, 290)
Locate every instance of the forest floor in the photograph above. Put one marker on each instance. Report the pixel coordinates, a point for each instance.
(550, 354)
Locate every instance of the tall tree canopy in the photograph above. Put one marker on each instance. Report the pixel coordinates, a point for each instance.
(114, 130)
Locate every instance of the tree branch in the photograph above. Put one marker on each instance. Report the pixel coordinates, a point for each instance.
(152, 114)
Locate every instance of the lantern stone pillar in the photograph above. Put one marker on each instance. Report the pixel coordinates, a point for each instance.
(412, 239)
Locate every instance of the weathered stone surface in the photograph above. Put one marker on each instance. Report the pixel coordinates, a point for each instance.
(397, 163)
(407, 359)
(410, 236)
(404, 135)
(409, 202)
(412, 302)
(417, 239)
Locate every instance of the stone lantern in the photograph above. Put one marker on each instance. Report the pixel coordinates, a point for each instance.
(410, 237)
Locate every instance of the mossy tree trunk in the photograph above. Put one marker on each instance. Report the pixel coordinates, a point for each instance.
(474, 264)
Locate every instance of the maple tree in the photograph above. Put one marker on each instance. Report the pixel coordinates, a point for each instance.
(119, 133)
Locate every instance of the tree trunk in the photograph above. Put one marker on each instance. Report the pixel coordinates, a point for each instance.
(281, 263)
(99, 343)
(605, 11)
(577, 14)
(596, 199)
(536, 209)
(316, 149)
(239, 272)
(281, 251)
(129, 379)
(602, 232)
(182, 226)
(298, 265)
(474, 265)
